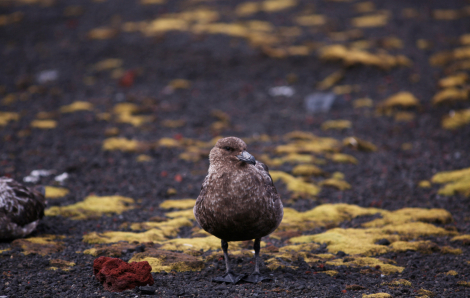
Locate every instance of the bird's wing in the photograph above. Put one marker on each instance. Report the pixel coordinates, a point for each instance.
(19, 203)
(268, 180)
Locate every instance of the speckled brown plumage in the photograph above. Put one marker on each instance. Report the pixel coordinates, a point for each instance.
(238, 200)
(21, 209)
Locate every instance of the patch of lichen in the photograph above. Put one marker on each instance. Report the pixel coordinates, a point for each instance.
(178, 204)
(423, 246)
(464, 238)
(456, 119)
(55, 192)
(452, 272)
(350, 241)
(367, 261)
(425, 293)
(114, 250)
(43, 245)
(290, 158)
(167, 261)
(336, 183)
(398, 282)
(170, 227)
(407, 215)
(152, 235)
(323, 215)
(6, 117)
(121, 144)
(464, 283)
(92, 206)
(60, 264)
(76, 107)
(456, 182)
(125, 113)
(377, 295)
(312, 144)
(359, 144)
(44, 124)
(192, 244)
(451, 250)
(399, 100)
(182, 213)
(299, 247)
(307, 170)
(329, 272)
(342, 158)
(416, 229)
(336, 124)
(296, 185)
(275, 263)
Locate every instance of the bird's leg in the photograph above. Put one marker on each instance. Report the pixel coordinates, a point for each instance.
(256, 277)
(229, 276)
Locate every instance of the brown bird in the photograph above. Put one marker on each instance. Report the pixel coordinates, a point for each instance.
(238, 201)
(21, 209)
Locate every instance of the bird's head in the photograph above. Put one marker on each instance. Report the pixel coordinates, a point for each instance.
(230, 150)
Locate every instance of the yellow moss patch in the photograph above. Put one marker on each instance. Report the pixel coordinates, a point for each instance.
(114, 250)
(401, 99)
(342, 158)
(452, 272)
(3, 250)
(464, 283)
(170, 227)
(406, 215)
(426, 293)
(330, 80)
(363, 103)
(173, 123)
(56, 192)
(6, 117)
(44, 124)
(336, 183)
(299, 247)
(168, 142)
(398, 282)
(60, 264)
(336, 124)
(92, 206)
(424, 184)
(77, 106)
(152, 235)
(425, 247)
(374, 20)
(464, 238)
(125, 114)
(451, 250)
(367, 261)
(143, 158)
(329, 272)
(307, 170)
(192, 244)
(377, 295)
(450, 95)
(359, 144)
(161, 260)
(43, 245)
(456, 119)
(122, 144)
(350, 241)
(178, 204)
(353, 56)
(310, 20)
(404, 116)
(296, 185)
(457, 79)
(183, 213)
(290, 158)
(457, 182)
(326, 214)
(179, 84)
(416, 229)
(313, 145)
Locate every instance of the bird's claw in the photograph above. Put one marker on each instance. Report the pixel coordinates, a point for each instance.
(229, 277)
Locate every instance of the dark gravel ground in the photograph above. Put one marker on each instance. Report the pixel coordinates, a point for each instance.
(229, 75)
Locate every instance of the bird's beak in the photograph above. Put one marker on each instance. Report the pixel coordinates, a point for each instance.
(247, 157)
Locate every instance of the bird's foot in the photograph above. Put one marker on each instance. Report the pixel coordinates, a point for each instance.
(229, 277)
(255, 278)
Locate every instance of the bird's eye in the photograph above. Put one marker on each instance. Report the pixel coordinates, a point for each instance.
(228, 148)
